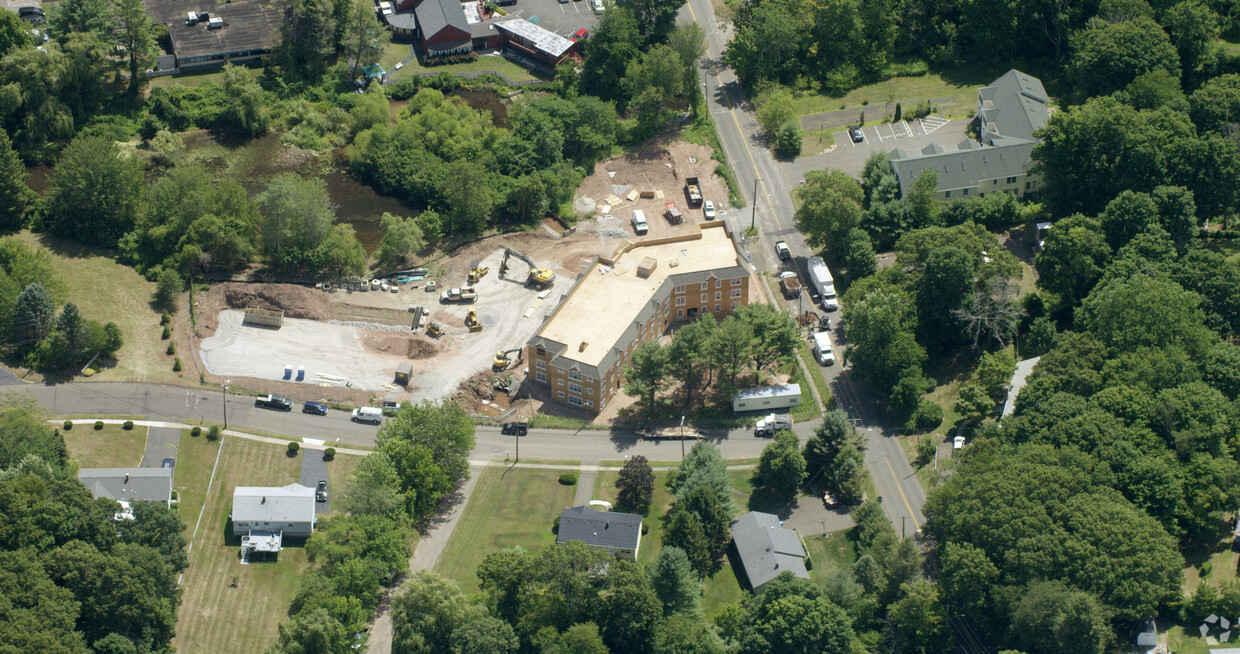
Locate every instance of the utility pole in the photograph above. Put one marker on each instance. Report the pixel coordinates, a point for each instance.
(682, 438)
(753, 217)
(226, 403)
(902, 526)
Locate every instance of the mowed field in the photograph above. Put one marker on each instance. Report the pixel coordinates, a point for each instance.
(228, 607)
(509, 506)
(110, 447)
(104, 290)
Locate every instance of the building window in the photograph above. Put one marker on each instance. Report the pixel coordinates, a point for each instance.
(734, 305)
(560, 395)
(680, 288)
(589, 380)
(736, 292)
(718, 283)
(589, 391)
(573, 374)
(559, 381)
(703, 298)
(947, 194)
(680, 301)
(718, 295)
(574, 400)
(1028, 185)
(540, 376)
(736, 282)
(540, 364)
(542, 352)
(590, 403)
(966, 191)
(574, 388)
(716, 308)
(680, 313)
(1011, 180)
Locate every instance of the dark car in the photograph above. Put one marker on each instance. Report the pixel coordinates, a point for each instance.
(320, 492)
(277, 402)
(315, 407)
(515, 428)
(855, 134)
(505, 3)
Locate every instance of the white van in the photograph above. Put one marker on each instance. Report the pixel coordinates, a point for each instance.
(368, 414)
(822, 349)
(639, 222)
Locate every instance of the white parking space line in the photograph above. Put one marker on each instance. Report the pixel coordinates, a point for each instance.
(907, 129)
(876, 133)
(931, 123)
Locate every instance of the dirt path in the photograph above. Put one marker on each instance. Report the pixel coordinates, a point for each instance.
(424, 557)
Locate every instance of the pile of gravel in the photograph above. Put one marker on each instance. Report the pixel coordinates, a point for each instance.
(613, 232)
(372, 325)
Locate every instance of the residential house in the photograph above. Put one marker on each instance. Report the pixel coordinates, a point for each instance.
(1009, 112)
(766, 549)
(618, 533)
(127, 485)
(625, 300)
(264, 515)
(442, 28)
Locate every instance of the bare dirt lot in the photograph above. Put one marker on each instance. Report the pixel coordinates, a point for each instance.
(661, 168)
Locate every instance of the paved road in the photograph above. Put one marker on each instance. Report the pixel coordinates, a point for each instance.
(771, 213)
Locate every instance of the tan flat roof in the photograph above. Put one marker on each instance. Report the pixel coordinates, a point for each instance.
(609, 299)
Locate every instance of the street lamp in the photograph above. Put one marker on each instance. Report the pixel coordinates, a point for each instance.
(226, 382)
(682, 438)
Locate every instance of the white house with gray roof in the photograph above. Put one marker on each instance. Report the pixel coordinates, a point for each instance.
(264, 515)
(766, 549)
(1009, 112)
(618, 533)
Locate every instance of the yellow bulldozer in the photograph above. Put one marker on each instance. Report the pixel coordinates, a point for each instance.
(476, 272)
(471, 321)
(434, 330)
(538, 277)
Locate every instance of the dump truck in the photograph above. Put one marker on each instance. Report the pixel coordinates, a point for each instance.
(463, 294)
(538, 277)
(693, 191)
(789, 284)
(772, 423)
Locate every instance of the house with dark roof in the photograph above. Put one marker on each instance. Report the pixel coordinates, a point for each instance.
(129, 484)
(1009, 112)
(618, 533)
(766, 549)
(630, 298)
(442, 28)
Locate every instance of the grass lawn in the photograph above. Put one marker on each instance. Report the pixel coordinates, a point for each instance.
(483, 64)
(816, 376)
(104, 290)
(1223, 563)
(338, 471)
(110, 447)
(393, 53)
(835, 552)
(721, 590)
(953, 94)
(228, 607)
(187, 79)
(508, 507)
(1182, 641)
(195, 458)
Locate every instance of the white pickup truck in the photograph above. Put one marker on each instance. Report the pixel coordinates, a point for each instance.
(772, 423)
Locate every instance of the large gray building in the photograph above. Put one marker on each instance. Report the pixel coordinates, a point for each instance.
(1009, 112)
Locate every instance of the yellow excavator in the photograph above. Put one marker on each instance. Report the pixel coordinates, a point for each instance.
(476, 272)
(434, 330)
(471, 321)
(538, 277)
(503, 358)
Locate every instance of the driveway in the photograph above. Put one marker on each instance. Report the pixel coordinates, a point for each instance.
(314, 470)
(161, 444)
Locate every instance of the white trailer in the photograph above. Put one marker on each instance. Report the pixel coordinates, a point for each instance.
(824, 285)
(765, 398)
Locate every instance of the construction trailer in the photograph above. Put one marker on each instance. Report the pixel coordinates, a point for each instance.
(765, 398)
(263, 317)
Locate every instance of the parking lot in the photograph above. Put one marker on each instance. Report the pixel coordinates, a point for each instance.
(563, 18)
(908, 135)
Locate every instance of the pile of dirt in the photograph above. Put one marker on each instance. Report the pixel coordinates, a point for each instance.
(295, 301)
(420, 348)
(384, 342)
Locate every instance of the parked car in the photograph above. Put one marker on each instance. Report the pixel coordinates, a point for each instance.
(317, 408)
(598, 6)
(855, 134)
(277, 402)
(514, 428)
(781, 249)
(320, 492)
(708, 209)
(829, 499)
(505, 3)
(581, 34)
(369, 414)
(639, 222)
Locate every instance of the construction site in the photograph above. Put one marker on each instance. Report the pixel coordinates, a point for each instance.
(454, 327)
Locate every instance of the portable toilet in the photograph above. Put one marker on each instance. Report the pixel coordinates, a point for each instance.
(403, 373)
